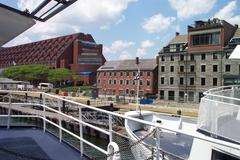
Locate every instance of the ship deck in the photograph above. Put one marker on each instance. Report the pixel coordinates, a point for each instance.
(33, 143)
(178, 145)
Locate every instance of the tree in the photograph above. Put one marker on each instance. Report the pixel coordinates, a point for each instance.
(33, 73)
(60, 75)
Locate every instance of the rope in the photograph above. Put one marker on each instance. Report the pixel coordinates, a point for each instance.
(127, 147)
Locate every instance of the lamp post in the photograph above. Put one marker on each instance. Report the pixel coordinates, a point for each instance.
(138, 79)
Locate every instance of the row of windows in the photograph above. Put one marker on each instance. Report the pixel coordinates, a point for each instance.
(123, 92)
(203, 68)
(123, 73)
(191, 81)
(182, 95)
(127, 82)
(192, 57)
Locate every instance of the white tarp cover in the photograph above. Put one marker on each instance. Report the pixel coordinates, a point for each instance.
(236, 53)
(12, 24)
(220, 118)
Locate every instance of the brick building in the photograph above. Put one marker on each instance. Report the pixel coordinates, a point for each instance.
(117, 77)
(77, 52)
(193, 63)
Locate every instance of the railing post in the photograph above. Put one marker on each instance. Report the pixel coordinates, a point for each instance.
(110, 127)
(80, 130)
(9, 110)
(59, 121)
(158, 143)
(44, 112)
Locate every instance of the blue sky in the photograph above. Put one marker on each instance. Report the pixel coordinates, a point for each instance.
(127, 28)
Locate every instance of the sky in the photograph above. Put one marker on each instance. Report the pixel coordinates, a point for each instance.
(127, 28)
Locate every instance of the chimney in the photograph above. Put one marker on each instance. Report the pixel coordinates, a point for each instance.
(177, 34)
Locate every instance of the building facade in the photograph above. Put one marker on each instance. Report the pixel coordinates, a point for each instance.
(78, 52)
(120, 78)
(193, 63)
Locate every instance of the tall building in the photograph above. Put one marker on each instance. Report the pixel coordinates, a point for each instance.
(77, 52)
(193, 63)
(120, 77)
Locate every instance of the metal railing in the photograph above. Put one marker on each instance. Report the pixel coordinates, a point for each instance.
(109, 131)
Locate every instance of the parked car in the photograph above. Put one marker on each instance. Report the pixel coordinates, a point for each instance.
(45, 86)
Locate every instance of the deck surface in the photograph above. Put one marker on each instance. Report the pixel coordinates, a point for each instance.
(178, 145)
(31, 143)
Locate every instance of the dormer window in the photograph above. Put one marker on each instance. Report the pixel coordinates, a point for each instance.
(206, 39)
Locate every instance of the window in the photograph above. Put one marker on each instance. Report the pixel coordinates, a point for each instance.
(127, 82)
(121, 73)
(227, 68)
(162, 68)
(203, 56)
(127, 73)
(203, 68)
(115, 81)
(110, 73)
(148, 83)
(181, 68)
(134, 82)
(115, 73)
(206, 39)
(127, 91)
(203, 81)
(134, 73)
(141, 73)
(190, 96)
(162, 80)
(109, 81)
(192, 57)
(99, 81)
(215, 56)
(104, 73)
(171, 95)
(121, 81)
(172, 48)
(191, 81)
(181, 96)
(140, 82)
(192, 68)
(215, 68)
(171, 80)
(172, 58)
(181, 80)
(161, 94)
(181, 57)
(163, 58)
(215, 81)
(171, 68)
(216, 155)
(148, 74)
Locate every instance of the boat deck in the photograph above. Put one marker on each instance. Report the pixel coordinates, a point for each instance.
(179, 145)
(32, 143)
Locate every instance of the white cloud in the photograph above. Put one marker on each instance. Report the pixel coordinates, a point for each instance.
(117, 46)
(98, 13)
(227, 13)
(142, 51)
(125, 55)
(189, 8)
(19, 40)
(158, 23)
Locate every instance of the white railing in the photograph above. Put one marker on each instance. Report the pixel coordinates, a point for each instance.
(108, 132)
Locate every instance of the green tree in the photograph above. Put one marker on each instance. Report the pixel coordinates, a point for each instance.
(34, 73)
(60, 75)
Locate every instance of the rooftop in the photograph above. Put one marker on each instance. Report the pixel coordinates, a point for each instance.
(145, 64)
(179, 39)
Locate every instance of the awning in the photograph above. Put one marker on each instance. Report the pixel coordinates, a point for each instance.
(12, 24)
(236, 53)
